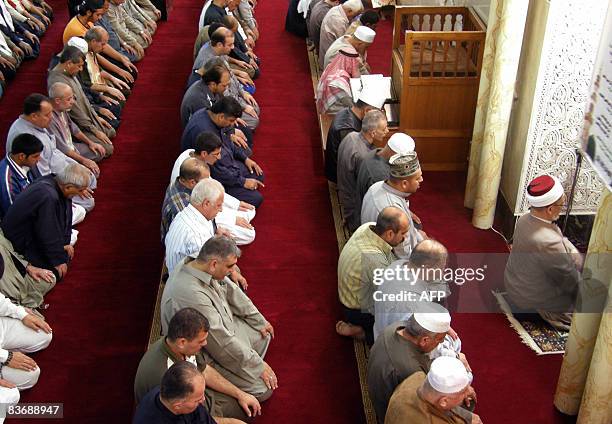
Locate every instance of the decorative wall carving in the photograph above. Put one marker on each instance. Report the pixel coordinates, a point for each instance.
(568, 54)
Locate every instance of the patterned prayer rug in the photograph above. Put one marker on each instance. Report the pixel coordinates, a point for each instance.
(536, 333)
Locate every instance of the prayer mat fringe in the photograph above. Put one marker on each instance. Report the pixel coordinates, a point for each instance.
(342, 235)
(518, 327)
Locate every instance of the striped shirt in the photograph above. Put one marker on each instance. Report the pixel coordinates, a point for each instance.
(176, 199)
(362, 255)
(188, 233)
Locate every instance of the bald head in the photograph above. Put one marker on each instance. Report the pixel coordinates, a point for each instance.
(222, 41)
(392, 225)
(192, 171)
(429, 254)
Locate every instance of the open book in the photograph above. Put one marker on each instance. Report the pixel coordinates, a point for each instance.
(378, 81)
(380, 3)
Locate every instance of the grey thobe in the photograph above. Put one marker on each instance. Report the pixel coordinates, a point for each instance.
(392, 359)
(382, 195)
(540, 272)
(235, 344)
(333, 27)
(315, 20)
(52, 160)
(234, 89)
(82, 113)
(350, 154)
(373, 168)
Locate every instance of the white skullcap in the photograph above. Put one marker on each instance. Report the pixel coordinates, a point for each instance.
(373, 97)
(79, 43)
(544, 191)
(448, 375)
(401, 143)
(365, 34)
(433, 317)
(354, 5)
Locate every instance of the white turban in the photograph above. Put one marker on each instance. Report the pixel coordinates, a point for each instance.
(79, 43)
(365, 34)
(448, 375)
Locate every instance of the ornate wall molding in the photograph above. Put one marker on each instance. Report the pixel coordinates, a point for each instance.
(570, 45)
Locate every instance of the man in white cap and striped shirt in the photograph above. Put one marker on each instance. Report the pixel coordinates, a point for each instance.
(405, 348)
(542, 272)
(359, 41)
(434, 398)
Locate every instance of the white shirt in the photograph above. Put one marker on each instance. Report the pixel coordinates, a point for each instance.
(187, 234)
(203, 14)
(8, 309)
(230, 204)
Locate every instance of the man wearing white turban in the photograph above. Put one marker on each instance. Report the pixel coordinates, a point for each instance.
(433, 398)
(542, 272)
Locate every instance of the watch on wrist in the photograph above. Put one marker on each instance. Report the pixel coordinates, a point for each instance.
(8, 358)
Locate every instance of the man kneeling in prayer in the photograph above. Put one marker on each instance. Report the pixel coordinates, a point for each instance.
(542, 273)
(435, 397)
(239, 334)
(404, 348)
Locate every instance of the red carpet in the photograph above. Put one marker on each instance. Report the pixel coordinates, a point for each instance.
(101, 313)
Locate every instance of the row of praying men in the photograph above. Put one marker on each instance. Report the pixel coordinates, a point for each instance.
(208, 319)
(47, 181)
(22, 23)
(340, 35)
(404, 328)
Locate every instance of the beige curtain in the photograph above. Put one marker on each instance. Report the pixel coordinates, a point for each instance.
(500, 63)
(585, 382)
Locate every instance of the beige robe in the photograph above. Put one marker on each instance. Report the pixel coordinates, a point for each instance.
(333, 27)
(18, 286)
(406, 406)
(235, 344)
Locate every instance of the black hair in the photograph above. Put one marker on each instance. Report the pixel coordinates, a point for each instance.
(206, 142)
(88, 6)
(187, 324)
(177, 382)
(227, 106)
(71, 54)
(369, 17)
(214, 74)
(27, 144)
(33, 102)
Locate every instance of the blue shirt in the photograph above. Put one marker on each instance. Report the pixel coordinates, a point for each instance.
(13, 180)
(226, 170)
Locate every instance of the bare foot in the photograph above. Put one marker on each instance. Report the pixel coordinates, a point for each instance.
(349, 330)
